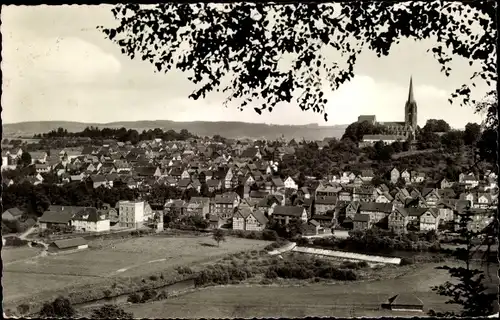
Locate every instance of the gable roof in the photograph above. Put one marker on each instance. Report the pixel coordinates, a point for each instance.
(56, 217)
(15, 212)
(68, 243)
(288, 211)
(376, 207)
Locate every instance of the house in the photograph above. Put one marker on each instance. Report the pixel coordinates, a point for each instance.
(404, 302)
(42, 168)
(325, 220)
(445, 211)
(405, 175)
(99, 180)
(394, 175)
(364, 193)
(444, 184)
(224, 205)
(376, 211)
(290, 183)
(361, 221)
(68, 245)
(132, 214)
(384, 198)
(287, 214)
(312, 228)
(367, 175)
(470, 181)
(323, 204)
(249, 220)
(12, 214)
(198, 206)
(417, 177)
(422, 219)
(90, 220)
(398, 220)
(55, 218)
(429, 220)
(304, 193)
(214, 222)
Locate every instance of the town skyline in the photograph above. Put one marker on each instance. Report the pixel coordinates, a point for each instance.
(69, 69)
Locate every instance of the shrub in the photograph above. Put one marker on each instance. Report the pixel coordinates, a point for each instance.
(148, 295)
(184, 270)
(270, 235)
(153, 278)
(162, 295)
(134, 298)
(23, 309)
(59, 308)
(15, 242)
(107, 293)
(110, 312)
(266, 281)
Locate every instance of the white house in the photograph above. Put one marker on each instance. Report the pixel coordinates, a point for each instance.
(429, 220)
(290, 183)
(131, 213)
(370, 140)
(90, 220)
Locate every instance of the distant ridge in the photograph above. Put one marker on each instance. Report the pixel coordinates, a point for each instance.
(228, 129)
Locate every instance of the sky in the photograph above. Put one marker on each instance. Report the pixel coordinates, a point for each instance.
(57, 66)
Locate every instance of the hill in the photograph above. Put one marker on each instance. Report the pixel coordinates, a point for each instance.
(233, 130)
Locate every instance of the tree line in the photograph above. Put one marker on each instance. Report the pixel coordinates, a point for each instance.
(120, 134)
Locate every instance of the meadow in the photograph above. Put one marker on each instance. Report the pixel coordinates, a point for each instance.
(315, 299)
(112, 260)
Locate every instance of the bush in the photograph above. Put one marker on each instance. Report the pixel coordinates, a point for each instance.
(163, 295)
(153, 278)
(15, 242)
(269, 235)
(110, 312)
(266, 281)
(107, 293)
(134, 298)
(148, 295)
(184, 270)
(222, 274)
(59, 308)
(306, 268)
(23, 309)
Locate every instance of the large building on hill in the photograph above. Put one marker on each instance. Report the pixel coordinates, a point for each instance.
(403, 129)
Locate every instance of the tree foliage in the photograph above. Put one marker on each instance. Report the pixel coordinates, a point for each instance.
(468, 290)
(59, 308)
(355, 131)
(435, 125)
(219, 236)
(120, 134)
(245, 43)
(110, 311)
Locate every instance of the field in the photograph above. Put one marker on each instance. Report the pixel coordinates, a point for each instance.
(339, 300)
(10, 255)
(114, 259)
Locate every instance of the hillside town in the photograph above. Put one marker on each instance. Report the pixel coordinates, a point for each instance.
(241, 186)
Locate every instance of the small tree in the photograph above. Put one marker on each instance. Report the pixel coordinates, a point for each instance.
(111, 312)
(25, 159)
(59, 308)
(219, 236)
(469, 290)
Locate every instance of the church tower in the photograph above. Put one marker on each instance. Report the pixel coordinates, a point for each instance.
(411, 108)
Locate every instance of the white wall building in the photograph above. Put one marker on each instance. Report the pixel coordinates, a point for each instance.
(131, 214)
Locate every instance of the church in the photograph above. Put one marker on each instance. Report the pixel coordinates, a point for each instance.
(403, 129)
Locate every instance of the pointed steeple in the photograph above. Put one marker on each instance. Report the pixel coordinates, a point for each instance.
(410, 91)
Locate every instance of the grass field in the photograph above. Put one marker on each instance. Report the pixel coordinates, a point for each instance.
(340, 300)
(110, 259)
(14, 254)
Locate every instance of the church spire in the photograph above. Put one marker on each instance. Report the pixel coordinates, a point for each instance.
(410, 91)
